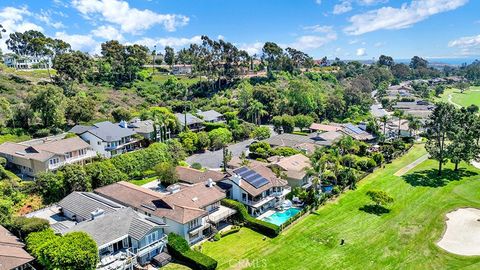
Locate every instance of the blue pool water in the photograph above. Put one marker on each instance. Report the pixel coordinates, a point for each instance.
(278, 218)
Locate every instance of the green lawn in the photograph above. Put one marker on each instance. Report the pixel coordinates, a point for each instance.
(13, 138)
(174, 266)
(402, 239)
(143, 181)
(469, 97)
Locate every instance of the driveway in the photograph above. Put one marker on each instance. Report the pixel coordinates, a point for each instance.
(213, 159)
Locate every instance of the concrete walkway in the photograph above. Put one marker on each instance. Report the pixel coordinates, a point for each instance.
(412, 165)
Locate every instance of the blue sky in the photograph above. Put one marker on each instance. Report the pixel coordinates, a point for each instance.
(348, 29)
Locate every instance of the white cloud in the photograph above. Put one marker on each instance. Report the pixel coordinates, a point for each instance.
(398, 18)
(379, 44)
(14, 20)
(319, 2)
(361, 52)
(84, 43)
(220, 37)
(169, 41)
(319, 28)
(253, 48)
(107, 32)
(130, 20)
(371, 2)
(467, 45)
(343, 7)
(309, 42)
(45, 17)
(353, 41)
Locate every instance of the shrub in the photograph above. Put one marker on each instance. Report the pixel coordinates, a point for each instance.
(76, 250)
(284, 151)
(23, 226)
(217, 236)
(212, 126)
(257, 225)
(196, 166)
(231, 231)
(261, 133)
(180, 250)
(3, 162)
(365, 163)
(378, 157)
(141, 160)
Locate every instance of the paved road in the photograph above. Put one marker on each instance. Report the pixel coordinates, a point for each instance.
(377, 110)
(213, 159)
(412, 165)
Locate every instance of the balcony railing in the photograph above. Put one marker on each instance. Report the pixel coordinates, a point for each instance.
(89, 154)
(157, 244)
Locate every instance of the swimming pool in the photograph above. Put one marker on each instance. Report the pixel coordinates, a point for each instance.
(278, 218)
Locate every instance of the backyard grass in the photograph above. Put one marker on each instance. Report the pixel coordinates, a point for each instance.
(141, 182)
(404, 238)
(174, 266)
(469, 97)
(13, 138)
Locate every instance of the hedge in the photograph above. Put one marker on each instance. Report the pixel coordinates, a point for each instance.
(266, 228)
(180, 250)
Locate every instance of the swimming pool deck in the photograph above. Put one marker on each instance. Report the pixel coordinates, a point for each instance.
(267, 214)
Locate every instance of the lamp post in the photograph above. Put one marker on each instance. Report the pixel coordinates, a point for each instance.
(154, 54)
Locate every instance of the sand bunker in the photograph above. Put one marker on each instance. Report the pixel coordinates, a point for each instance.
(462, 235)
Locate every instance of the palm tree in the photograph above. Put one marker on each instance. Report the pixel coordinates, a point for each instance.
(414, 124)
(384, 120)
(256, 110)
(400, 115)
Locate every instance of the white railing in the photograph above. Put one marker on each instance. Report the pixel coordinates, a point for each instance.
(146, 249)
(89, 154)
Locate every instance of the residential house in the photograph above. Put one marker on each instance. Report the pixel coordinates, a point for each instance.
(30, 159)
(108, 139)
(146, 129)
(192, 176)
(12, 254)
(193, 123)
(211, 116)
(258, 188)
(357, 133)
(124, 238)
(295, 169)
(27, 62)
(391, 128)
(191, 211)
(301, 142)
(314, 127)
(182, 69)
(419, 108)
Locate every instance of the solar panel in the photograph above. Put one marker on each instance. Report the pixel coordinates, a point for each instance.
(252, 177)
(354, 129)
(240, 170)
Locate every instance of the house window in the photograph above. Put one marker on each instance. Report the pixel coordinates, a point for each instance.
(99, 143)
(244, 197)
(69, 154)
(194, 223)
(152, 238)
(53, 161)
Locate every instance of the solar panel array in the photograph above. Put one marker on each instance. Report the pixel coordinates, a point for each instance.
(354, 129)
(252, 177)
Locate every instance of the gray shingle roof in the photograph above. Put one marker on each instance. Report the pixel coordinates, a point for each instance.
(114, 226)
(82, 204)
(191, 119)
(110, 132)
(210, 115)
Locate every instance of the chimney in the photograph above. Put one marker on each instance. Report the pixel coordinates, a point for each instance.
(97, 213)
(210, 182)
(237, 179)
(123, 124)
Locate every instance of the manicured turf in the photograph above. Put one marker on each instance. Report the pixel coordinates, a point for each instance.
(174, 266)
(402, 239)
(143, 181)
(465, 99)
